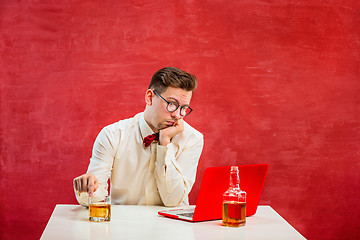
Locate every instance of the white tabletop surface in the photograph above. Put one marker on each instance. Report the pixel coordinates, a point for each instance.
(143, 222)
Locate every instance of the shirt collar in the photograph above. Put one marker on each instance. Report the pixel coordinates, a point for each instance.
(145, 129)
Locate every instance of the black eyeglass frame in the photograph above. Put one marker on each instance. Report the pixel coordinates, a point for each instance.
(175, 103)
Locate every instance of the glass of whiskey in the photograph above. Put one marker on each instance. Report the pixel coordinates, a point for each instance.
(100, 209)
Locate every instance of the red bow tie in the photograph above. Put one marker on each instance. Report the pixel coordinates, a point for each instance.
(149, 139)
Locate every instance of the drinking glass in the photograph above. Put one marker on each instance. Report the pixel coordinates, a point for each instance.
(100, 209)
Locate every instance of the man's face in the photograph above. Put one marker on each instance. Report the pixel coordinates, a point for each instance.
(157, 116)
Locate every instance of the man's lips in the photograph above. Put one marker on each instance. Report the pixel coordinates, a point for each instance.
(170, 123)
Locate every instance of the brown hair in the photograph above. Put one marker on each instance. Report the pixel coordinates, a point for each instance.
(172, 77)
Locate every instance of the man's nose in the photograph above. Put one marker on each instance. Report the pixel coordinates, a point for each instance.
(176, 114)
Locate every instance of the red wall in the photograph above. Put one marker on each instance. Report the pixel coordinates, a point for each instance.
(278, 84)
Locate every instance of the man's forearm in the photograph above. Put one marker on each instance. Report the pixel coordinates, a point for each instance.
(175, 176)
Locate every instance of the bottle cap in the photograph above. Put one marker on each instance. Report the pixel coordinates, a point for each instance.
(234, 168)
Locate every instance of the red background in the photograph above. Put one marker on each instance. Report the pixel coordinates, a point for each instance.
(278, 84)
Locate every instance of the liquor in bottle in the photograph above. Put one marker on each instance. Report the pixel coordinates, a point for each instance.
(234, 202)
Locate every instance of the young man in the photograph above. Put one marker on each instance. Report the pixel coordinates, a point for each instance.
(151, 159)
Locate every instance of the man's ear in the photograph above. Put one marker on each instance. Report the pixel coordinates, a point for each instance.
(148, 97)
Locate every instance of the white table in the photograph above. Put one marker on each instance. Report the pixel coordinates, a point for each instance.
(143, 222)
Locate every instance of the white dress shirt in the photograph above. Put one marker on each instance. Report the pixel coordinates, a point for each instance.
(156, 175)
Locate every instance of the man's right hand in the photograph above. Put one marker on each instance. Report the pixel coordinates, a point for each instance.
(86, 183)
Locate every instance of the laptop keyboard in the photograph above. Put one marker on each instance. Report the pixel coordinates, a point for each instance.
(189, 214)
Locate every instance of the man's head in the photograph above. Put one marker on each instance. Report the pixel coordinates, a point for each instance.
(169, 86)
(172, 77)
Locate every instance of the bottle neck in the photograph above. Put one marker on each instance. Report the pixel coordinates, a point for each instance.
(234, 179)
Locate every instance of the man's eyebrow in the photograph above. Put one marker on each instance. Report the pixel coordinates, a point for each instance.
(172, 98)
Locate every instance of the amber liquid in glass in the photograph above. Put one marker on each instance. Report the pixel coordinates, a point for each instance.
(99, 212)
(234, 214)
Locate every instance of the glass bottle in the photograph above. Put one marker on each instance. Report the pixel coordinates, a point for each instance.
(234, 202)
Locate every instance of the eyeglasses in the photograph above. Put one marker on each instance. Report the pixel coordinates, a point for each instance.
(173, 106)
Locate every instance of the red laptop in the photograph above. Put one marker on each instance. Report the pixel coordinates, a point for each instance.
(216, 181)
